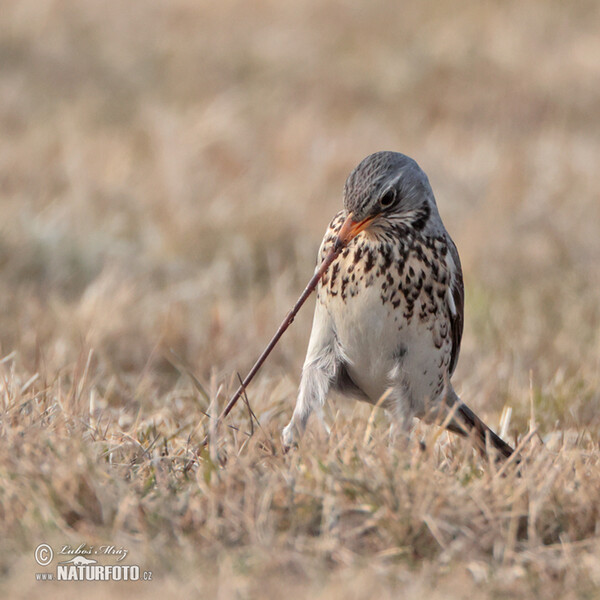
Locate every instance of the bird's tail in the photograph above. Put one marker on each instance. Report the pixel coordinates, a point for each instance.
(467, 423)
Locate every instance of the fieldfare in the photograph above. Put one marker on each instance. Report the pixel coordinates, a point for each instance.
(388, 319)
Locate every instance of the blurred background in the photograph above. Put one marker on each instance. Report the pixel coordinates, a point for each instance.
(167, 171)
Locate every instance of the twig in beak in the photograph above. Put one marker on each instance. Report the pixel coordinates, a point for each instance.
(312, 284)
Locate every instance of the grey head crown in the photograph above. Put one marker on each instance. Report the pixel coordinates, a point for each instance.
(390, 183)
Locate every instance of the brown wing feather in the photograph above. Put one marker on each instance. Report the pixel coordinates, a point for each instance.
(458, 295)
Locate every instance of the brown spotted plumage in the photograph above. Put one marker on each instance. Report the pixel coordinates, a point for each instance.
(389, 314)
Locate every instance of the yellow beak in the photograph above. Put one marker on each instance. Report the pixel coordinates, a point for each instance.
(351, 228)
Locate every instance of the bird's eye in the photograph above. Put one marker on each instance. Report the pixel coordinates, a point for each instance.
(388, 198)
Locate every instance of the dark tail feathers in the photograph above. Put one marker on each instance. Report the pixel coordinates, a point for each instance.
(466, 422)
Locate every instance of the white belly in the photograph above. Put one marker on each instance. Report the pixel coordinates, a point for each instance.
(384, 349)
(390, 317)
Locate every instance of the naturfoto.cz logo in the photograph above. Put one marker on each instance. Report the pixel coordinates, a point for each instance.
(82, 567)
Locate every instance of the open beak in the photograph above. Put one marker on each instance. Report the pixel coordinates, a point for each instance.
(351, 229)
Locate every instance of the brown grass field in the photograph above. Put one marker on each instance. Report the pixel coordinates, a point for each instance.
(167, 170)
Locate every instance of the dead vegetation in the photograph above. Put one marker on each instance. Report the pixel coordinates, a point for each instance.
(166, 173)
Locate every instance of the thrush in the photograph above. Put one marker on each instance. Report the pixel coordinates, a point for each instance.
(388, 320)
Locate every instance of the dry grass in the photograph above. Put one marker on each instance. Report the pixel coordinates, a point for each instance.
(166, 173)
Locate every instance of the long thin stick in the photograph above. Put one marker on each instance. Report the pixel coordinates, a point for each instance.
(312, 284)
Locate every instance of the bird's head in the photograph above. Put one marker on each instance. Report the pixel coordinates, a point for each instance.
(386, 188)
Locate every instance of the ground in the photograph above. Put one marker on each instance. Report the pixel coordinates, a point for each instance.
(167, 171)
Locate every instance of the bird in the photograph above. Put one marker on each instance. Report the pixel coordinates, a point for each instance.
(389, 313)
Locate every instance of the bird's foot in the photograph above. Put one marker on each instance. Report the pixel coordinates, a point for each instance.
(288, 438)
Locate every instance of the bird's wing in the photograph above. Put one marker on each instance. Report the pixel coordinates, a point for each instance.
(456, 301)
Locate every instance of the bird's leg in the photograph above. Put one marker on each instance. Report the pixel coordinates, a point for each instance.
(317, 376)
(399, 432)
(401, 410)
